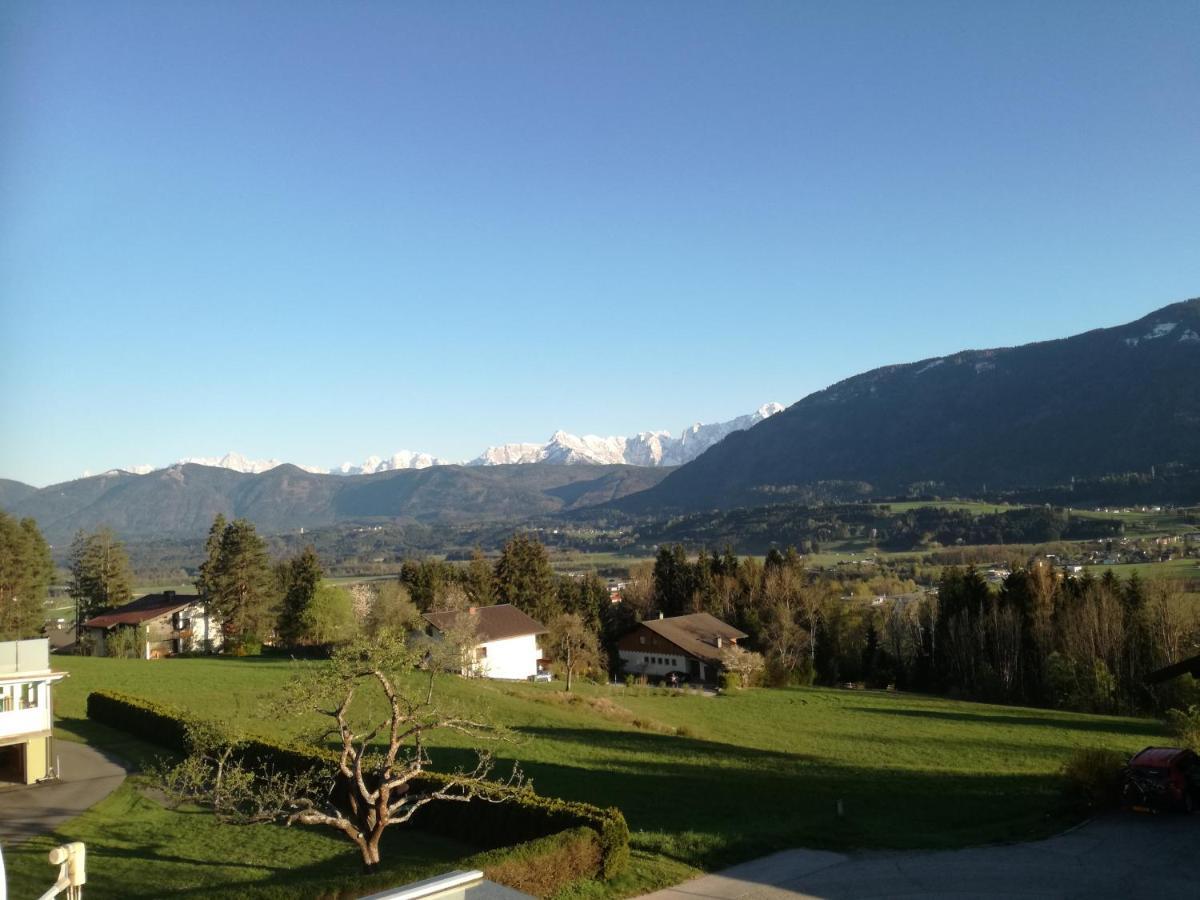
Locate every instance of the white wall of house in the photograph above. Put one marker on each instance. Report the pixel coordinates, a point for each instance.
(515, 657)
(636, 662)
(15, 721)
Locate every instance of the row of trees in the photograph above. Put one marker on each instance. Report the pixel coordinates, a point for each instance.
(1042, 638)
(283, 602)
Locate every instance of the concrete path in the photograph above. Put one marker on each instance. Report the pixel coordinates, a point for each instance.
(1118, 856)
(88, 776)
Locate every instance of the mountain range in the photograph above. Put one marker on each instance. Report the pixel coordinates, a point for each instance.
(1037, 416)
(182, 500)
(647, 448)
(1111, 400)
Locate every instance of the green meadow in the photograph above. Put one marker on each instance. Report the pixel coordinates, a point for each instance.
(703, 780)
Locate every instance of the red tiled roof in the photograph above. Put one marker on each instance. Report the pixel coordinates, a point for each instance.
(141, 610)
(493, 623)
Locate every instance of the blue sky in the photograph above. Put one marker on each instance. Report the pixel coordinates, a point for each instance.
(320, 231)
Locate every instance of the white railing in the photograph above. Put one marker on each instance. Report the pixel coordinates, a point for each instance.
(451, 881)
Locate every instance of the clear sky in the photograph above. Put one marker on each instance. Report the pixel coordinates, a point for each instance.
(317, 231)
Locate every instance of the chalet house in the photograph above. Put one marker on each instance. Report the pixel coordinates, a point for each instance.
(691, 644)
(506, 640)
(169, 623)
(26, 747)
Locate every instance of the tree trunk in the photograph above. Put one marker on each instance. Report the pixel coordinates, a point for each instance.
(370, 855)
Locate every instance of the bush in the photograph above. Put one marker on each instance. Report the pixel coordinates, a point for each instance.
(484, 822)
(1093, 778)
(730, 681)
(1185, 726)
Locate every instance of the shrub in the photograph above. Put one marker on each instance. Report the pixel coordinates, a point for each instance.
(1093, 778)
(730, 681)
(1185, 726)
(541, 867)
(485, 822)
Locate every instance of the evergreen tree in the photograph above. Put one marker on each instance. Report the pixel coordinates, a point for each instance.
(100, 575)
(301, 576)
(478, 581)
(26, 571)
(673, 581)
(236, 582)
(524, 578)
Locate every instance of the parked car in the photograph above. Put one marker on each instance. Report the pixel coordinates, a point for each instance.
(542, 675)
(1160, 778)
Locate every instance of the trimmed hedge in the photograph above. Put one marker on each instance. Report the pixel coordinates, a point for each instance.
(552, 846)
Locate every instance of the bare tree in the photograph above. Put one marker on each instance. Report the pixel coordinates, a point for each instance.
(375, 789)
(574, 645)
(376, 780)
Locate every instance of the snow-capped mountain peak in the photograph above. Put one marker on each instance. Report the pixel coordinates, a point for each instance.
(646, 448)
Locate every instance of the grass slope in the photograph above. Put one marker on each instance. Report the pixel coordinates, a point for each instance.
(705, 781)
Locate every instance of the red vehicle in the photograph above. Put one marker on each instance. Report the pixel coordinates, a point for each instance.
(1162, 778)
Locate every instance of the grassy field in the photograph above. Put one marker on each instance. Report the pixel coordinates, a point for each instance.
(704, 781)
(1175, 569)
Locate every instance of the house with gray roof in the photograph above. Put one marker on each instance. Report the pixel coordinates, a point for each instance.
(690, 644)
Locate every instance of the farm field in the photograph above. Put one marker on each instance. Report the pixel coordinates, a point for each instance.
(703, 781)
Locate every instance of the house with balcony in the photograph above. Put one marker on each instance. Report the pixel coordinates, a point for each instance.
(26, 745)
(163, 624)
(690, 645)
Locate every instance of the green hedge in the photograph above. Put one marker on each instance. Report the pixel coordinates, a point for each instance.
(552, 824)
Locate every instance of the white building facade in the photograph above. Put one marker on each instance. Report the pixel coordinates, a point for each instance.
(26, 712)
(502, 639)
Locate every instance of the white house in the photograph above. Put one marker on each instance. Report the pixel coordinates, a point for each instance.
(25, 712)
(506, 639)
(165, 624)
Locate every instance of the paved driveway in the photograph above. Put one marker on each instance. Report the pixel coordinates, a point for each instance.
(1117, 856)
(88, 776)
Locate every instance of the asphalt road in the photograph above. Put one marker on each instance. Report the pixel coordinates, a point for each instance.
(1124, 855)
(88, 776)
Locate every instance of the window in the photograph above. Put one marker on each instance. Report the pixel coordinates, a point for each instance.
(641, 639)
(481, 652)
(29, 695)
(6, 701)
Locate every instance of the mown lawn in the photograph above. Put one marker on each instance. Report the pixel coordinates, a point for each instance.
(137, 848)
(703, 781)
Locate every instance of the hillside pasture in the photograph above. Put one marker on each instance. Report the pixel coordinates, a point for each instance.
(708, 780)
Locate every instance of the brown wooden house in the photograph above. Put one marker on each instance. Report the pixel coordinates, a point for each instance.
(689, 644)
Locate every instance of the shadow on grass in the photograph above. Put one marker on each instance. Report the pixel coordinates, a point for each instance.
(709, 804)
(122, 748)
(1050, 720)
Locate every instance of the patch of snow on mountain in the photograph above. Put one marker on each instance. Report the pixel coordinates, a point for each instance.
(236, 462)
(1160, 330)
(510, 454)
(929, 365)
(1189, 337)
(1131, 342)
(401, 459)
